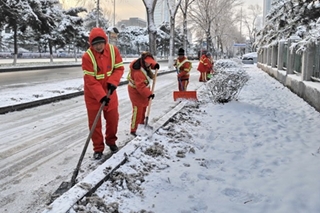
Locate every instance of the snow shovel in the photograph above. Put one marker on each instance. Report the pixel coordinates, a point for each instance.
(150, 101)
(65, 186)
(190, 95)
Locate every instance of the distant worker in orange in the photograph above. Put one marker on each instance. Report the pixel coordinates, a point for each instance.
(204, 67)
(103, 68)
(139, 77)
(210, 71)
(183, 66)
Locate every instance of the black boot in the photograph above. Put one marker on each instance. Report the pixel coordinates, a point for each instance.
(134, 134)
(97, 155)
(113, 148)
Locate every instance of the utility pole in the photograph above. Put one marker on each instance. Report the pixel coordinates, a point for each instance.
(98, 11)
(114, 13)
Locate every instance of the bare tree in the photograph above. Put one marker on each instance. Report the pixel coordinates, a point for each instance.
(185, 4)
(250, 21)
(202, 15)
(173, 8)
(211, 17)
(150, 5)
(225, 30)
(102, 9)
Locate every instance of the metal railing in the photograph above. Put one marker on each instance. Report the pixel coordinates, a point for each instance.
(316, 67)
(297, 62)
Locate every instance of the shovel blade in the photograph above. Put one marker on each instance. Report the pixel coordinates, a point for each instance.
(189, 95)
(64, 186)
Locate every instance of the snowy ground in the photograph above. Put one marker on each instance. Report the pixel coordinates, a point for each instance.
(258, 154)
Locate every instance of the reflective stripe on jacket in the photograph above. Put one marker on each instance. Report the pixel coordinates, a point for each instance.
(131, 81)
(139, 86)
(95, 66)
(184, 67)
(204, 64)
(100, 69)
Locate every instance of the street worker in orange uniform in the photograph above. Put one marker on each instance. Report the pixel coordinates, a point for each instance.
(210, 70)
(139, 78)
(103, 68)
(204, 66)
(183, 66)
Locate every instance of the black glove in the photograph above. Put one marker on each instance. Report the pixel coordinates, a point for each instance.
(157, 66)
(105, 99)
(151, 96)
(111, 88)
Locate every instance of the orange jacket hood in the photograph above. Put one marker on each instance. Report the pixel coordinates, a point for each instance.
(97, 32)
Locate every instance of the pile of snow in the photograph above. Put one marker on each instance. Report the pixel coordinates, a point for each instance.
(228, 82)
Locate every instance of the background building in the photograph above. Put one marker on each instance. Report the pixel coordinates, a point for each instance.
(132, 22)
(161, 13)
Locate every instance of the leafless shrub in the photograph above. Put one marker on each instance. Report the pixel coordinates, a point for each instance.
(228, 82)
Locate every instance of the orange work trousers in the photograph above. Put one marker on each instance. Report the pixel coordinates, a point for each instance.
(203, 77)
(138, 116)
(111, 121)
(183, 84)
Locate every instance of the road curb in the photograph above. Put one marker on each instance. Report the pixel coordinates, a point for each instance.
(25, 68)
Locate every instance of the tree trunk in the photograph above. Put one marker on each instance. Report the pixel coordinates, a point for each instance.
(185, 32)
(15, 44)
(171, 45)
(151, 27)
(50, 51)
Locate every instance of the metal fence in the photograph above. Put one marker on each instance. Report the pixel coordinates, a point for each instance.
(297, 61)
(284, 55)
(292, 61)
(316, 68)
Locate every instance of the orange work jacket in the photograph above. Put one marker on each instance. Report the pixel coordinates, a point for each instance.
(205, 64)
(99, 70)
(139, 85)
(184, 67)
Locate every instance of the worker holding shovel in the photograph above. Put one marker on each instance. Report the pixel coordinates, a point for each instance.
(140, 94)
(103, 68)
(183, 66)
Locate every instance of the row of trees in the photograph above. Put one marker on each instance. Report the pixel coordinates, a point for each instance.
(45, 24)
(213, 21)
(42, 22)
(299, 19)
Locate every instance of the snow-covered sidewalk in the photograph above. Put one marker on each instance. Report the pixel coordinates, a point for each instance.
(260, 153)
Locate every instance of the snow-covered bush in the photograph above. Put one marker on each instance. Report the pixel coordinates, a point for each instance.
(227, 83)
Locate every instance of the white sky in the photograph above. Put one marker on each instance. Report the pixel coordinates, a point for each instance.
(257, 154)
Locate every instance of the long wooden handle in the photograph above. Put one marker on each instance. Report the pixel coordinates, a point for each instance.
(98, 116)
(152, 90)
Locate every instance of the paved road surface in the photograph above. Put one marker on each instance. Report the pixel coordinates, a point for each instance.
(23, 78)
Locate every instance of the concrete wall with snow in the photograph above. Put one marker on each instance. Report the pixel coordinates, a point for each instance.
(307, 90)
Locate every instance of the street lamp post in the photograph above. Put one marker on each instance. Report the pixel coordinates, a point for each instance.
(98, 9)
